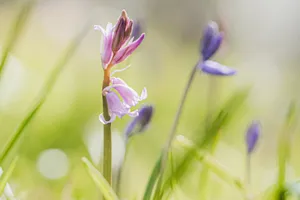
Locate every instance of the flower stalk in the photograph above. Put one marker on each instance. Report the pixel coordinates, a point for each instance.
(174, 127)
(117, 96)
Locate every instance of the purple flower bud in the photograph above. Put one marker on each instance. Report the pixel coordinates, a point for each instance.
(252, 136)
(215, 68)
(141, 122)
(126, 51)
(117, 40)
(122, 31)
(211, 41)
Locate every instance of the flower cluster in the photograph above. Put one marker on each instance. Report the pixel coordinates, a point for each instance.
(211, 42)
(117, 46)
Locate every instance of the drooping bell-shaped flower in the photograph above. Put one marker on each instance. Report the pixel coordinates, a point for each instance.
(120, 98)
(116, 108)
(139, 123)
(252, 136)
(211, 42)
(129, 95)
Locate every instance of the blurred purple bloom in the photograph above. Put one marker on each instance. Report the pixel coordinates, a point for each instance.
(120, 106)
(211, 41)
(141, 122)
(117, 41)
(215, 68)
(137, 29)
(252, 136)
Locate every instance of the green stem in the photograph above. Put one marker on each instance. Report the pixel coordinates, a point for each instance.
(173, 129)
(107, 163)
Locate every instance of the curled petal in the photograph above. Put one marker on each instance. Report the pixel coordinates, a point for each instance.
(106, 52)
(144, 94)
(134, 113)
(214, 68)
(126, 51)
(129, 95)
(99, 28)
(103, 121)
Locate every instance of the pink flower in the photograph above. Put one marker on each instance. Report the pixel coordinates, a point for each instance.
(129, 95)
(107, 53)
(127, 50)
(120, 106)
(117, 40)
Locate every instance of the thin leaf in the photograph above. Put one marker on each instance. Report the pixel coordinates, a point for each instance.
(16, 30)
(210, 162)
(44, 92)
(283, 150)
(152, 180)
(224, 116)
(100, 181)
(6, 175)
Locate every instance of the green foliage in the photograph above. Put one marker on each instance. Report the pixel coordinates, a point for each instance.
(100, 181)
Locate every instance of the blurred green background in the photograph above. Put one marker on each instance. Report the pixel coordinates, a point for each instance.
(261, 42)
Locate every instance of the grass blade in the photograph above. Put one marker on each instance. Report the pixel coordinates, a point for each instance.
(283, 150)
(6, 175)
(43, 93)
(16, 30)
(210, 162)
(100, 181)
(222, 119)
(152, 180)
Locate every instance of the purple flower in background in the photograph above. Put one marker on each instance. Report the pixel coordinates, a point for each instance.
(120, 98)
(252, 136)
(212, 40)
(215, 68)
(117, 41)
(141, 122)
(137, 29)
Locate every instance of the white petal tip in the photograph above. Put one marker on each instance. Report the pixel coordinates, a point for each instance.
(103, 121)
(144, 94)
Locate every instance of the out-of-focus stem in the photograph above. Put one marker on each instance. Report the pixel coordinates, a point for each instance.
(174, 127)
